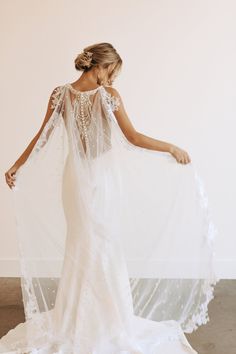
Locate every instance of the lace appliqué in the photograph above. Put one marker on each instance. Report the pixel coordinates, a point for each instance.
(83, 115)
(56, 96)
(113, 101)
(48, 128)
(55, 119)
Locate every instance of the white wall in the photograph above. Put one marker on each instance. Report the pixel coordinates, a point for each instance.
(177, 82)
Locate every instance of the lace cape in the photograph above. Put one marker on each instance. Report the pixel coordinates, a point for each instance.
(84, 176)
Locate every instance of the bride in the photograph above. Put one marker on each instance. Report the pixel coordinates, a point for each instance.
(114, 234)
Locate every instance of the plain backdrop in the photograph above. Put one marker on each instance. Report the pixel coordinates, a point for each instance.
(177, 84)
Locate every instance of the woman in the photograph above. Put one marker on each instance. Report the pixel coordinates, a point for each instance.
(92, 76)
(79, 299)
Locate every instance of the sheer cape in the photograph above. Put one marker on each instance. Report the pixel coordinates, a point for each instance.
(86, 191)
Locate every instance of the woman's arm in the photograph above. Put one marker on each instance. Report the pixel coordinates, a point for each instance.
(10, 174)
(142, 140)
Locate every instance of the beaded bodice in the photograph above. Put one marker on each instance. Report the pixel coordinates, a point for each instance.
(81, 106)
(82, 112)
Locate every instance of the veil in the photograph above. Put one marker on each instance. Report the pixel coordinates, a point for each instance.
(84, 178)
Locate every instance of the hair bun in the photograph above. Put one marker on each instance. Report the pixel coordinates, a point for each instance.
(83, 60)
(100, 55)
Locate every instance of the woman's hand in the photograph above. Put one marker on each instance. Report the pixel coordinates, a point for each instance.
(10, 176)
(180, 155)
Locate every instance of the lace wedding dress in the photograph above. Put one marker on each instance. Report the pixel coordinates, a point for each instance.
(115, 241)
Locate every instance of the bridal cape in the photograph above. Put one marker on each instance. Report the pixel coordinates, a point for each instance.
(116, 242)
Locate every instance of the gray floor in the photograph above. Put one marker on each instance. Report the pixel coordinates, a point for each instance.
(218, 336)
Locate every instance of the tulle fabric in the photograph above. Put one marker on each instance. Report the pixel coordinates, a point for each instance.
(116, 242)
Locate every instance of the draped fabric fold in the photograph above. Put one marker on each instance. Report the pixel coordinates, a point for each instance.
(106, 227)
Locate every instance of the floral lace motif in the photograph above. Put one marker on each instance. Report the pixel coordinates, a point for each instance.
(82, 109)
(56, 96)
(113, 101)
(201, 315)
(46, 132)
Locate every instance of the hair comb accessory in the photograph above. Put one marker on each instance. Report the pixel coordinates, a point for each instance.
(85, 58)
(90, 54)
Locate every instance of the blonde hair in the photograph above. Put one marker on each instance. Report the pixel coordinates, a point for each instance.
(102, 54)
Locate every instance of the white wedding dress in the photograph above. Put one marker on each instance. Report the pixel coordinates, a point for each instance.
(115, 241)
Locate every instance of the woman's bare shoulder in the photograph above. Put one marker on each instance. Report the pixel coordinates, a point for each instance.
(113, 91)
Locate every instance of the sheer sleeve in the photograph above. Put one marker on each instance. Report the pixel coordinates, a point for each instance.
(113, 99)
(55, 97)
(54, 109)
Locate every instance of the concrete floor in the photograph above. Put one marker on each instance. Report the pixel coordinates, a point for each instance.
(218, 336)
(11, 306)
